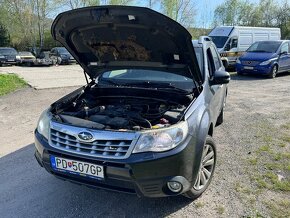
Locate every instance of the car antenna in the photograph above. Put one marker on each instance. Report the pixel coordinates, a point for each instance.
(86, 77)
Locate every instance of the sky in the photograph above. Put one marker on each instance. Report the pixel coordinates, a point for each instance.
(204, 9)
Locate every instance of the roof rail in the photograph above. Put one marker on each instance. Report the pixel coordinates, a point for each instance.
(204, 39)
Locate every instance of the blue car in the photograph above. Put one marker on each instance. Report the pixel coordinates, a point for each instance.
(265, 58)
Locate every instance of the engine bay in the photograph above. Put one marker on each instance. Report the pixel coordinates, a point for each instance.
(113, 112)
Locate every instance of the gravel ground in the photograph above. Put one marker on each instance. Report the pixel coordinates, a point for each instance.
(254, 135)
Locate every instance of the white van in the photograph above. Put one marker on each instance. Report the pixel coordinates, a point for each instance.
(232, 41)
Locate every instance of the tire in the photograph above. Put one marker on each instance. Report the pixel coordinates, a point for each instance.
(29, 64)
(209, 158)
(273, 72)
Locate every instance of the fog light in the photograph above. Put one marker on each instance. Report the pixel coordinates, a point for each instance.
(174, 186)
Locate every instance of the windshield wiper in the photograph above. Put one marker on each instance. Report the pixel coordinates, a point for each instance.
(158, 86)
(145, 84)
(109, 82)
(258, 51)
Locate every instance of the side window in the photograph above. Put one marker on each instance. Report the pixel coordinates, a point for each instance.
(216, 58)
(210, 62)
(234, 43)
(285, 48)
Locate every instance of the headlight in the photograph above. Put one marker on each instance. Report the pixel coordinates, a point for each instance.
(268, 61)
(18, 57)
(238, 61)
(2, 56)
(43, 123)
(161, 140)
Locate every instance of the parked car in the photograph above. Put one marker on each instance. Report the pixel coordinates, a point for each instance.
(25, 58)
(43, 59)
(60, 55)
(144, 123)
(232, 41)
(265, 58)
(7, 56)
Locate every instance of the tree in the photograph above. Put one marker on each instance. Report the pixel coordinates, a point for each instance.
(4, 36)
(73, 4)
(182, 11)
(119, 2)
(268, 12)
(233, 12)
(283, 20)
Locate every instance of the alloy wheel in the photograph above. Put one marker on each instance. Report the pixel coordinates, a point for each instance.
(206, 167)
(274, 71)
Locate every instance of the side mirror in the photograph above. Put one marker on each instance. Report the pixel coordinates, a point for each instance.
(284, 53)
(228, 47)
(220, 77)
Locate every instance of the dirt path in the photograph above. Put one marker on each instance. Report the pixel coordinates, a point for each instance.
(251, 180)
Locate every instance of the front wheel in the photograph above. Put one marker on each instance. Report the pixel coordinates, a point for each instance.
(206, 170)
(273, 72)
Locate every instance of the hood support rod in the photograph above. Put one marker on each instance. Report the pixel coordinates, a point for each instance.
(86, 77)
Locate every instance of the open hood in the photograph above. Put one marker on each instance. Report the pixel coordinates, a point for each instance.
(114, 37)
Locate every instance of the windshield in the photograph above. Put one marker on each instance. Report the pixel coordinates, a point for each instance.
(62, 50)
(264, 46)
(136, 77)
(8, 51)
(219, 41)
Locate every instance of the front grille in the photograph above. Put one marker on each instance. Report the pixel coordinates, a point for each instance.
(107, 148)
(250, 63)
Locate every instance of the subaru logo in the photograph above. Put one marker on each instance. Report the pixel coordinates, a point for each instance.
(85, 136)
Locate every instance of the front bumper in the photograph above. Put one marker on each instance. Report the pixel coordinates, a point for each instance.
(45, 62)
(144, 174)
(6, 61)
(68, 61)
(262, 70)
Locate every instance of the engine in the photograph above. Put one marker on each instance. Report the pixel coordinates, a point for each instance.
(113, 110)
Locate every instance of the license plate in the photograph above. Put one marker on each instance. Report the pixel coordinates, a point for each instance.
(77, 167)
(10, 60)
(248, 68)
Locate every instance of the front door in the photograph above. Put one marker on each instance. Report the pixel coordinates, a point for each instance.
(284, 59)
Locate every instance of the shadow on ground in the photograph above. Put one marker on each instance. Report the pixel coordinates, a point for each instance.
(27, 190)
(235, 76)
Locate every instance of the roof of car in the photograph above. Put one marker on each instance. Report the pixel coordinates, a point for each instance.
(196, 43)
(274, 41)
(6, 48)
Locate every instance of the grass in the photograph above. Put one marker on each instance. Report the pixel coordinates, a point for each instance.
(199, 204)
(10, 83)
(278, 208)
(268, 168)
(286, 126)
(220, 209)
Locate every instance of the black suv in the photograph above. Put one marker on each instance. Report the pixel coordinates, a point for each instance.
(7, 56)
(60, 55)
(144, 122)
